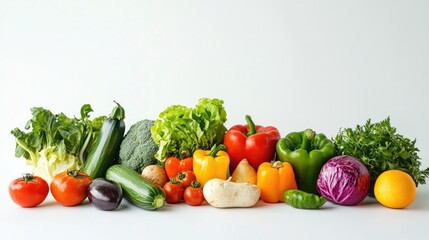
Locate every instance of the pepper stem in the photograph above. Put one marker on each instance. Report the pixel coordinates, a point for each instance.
(307, 136)
(277, 164)
(216, 148)
(251, 126)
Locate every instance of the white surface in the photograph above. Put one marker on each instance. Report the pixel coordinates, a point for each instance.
(291, 64)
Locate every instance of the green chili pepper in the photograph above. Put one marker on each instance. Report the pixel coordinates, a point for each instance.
(300, 199)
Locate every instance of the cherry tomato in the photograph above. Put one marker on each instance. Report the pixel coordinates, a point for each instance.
(193, 194)
(28, 190)
(173, 191)
(186, 178)
(174, 165)
(70, 188)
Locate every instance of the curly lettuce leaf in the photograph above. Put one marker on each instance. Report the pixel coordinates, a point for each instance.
(180, 130)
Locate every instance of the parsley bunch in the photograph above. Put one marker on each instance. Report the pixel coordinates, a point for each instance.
(380, 148)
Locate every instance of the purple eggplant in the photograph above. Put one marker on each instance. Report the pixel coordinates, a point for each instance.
(104, 194)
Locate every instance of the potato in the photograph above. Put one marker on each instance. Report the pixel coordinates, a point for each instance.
(155, 174)
(226, 194)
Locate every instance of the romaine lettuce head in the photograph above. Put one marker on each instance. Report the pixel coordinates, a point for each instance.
(53, 143)
(51, 161)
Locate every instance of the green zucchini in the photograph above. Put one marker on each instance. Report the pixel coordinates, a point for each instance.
(136, 189)
(105, 150)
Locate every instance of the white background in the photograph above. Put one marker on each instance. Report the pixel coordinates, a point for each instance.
(291, 64)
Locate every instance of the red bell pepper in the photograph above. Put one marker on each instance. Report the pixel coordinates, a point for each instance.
(255, 143)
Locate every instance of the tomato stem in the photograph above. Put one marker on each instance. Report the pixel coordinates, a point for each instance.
(181, 175)
(75, 173)
(174, 181)
(27, 177)
(195, 184)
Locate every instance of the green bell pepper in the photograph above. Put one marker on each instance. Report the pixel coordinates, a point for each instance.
(307, 152)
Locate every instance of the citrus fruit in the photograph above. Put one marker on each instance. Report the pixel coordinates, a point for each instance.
(395, 189)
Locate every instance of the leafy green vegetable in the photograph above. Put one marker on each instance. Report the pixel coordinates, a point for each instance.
(56, 143)
(380, 148)
(180, 130)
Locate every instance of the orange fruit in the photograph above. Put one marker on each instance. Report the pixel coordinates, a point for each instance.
(395, 189)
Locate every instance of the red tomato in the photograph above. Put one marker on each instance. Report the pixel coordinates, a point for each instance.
(70, 188)
(193, 194)
(174, 165)
(173, 191)
(28, 190)
(186, 178)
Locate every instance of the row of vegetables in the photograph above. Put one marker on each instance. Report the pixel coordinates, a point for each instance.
(188, 155)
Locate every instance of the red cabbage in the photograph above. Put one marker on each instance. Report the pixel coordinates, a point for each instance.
(344, 180)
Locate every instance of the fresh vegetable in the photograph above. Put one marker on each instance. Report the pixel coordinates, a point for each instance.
(344, 180)
(193, 194)
(273, 179)
(104, 194)
(138, 148)
(226, 194)
(255, 143)
(173, 191)
(210, 164)
(136, 189)
(174, 165)
(28, 190)
(244, 173)
(105, 150)
(155, 174)
(55, 142)
(307, 152)
(395, 189)
(303, 200)
(180, 130)
(381, 148)
(69, 188)
(186, 178)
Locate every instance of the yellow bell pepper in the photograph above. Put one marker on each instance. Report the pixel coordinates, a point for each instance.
(273, 179)
(209, 164)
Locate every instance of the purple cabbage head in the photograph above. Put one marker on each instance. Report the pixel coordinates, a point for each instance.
(344, 180)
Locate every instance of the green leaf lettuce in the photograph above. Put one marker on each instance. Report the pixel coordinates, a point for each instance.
(180, 130)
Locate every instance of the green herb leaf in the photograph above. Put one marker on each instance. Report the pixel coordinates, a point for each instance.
(381, 148)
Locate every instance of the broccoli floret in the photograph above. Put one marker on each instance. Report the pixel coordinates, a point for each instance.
(138, 148)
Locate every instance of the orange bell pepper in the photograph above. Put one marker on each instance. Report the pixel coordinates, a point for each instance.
(273, 179)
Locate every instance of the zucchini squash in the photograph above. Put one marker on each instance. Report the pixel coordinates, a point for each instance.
(136, 189)
(105, 151)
